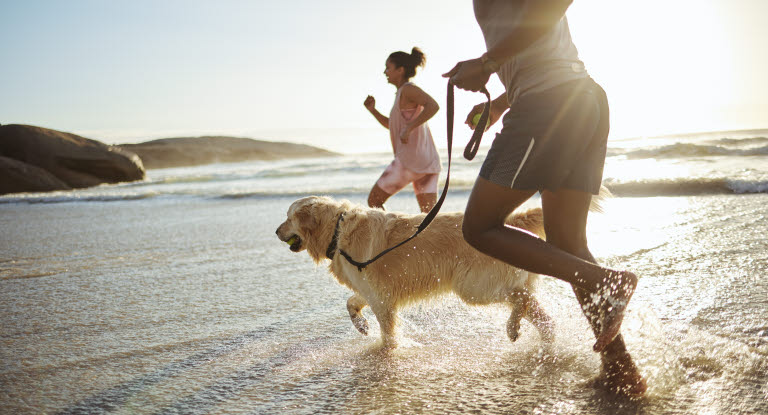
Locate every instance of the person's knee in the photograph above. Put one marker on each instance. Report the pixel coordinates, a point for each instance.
(471, 233)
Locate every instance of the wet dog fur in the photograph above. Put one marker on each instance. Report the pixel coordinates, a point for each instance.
(436, 262)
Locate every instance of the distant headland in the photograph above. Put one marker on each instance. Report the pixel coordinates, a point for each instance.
(193, 151)
(36, 159)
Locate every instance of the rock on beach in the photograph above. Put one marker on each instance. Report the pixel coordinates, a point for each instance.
(41, 159)
(36, 159)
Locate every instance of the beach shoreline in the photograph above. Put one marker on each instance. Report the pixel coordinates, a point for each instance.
(193, 304)
(173, 294)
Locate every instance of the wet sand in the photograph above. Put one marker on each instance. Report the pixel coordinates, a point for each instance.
(177, 306)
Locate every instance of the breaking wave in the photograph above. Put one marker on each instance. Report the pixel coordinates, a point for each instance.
(685, 150)
(687, 187)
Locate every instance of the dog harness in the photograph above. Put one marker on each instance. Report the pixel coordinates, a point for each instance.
(331, 251)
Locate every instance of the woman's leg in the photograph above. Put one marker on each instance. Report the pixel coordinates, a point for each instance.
(425, 188)
(484, 228)
(426, 201)
(389, 183)
(377, 197)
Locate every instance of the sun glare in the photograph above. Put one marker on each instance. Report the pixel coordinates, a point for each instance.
(665, 65)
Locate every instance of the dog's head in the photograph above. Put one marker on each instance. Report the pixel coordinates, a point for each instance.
(309, 225)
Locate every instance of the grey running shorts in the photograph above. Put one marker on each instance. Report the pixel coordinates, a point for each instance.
(552, 139)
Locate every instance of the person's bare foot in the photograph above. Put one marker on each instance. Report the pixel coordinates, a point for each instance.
(621, 381)
(613, 304)
(633, 388)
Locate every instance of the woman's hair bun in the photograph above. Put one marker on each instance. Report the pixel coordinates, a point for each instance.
(409, 61)
(418, 57)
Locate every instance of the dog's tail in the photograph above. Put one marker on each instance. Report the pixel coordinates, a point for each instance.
(597, 201)
(531, 220)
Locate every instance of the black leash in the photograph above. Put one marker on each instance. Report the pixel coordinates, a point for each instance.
(469, 153)
(474, 143)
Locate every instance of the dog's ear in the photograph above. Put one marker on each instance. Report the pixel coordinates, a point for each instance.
(306, 219)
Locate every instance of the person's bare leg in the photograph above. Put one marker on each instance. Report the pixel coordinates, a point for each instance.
(618, 372)
(377, 197)
(484, 229)
(565, 218)
(426, 201)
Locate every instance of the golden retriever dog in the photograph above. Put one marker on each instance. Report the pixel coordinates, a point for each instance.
(438, 261)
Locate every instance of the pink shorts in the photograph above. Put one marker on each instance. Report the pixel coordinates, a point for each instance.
(396, 176)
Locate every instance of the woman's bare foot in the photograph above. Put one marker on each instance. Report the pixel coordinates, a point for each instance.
(613, 304)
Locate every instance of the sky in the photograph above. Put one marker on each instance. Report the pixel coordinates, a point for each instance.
(299, 70)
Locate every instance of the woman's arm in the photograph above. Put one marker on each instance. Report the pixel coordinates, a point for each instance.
(415, 95)
(370, 104)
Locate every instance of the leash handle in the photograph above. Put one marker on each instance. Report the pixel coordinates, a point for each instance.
(474, 143)
(469, 153)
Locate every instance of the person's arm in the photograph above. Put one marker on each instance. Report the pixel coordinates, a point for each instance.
(370, 104)
(539, 16)
(414, 94)
(498, 107)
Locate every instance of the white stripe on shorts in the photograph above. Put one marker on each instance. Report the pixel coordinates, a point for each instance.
(525, 157)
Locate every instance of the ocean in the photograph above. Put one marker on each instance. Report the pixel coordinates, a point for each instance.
(173, 295)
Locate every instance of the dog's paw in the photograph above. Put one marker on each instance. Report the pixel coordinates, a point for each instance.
(547, 332)
(513, 329)
(361, 324)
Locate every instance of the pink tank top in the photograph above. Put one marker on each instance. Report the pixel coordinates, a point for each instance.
(419, 154)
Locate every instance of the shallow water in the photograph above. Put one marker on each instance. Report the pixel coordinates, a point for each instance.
(175, 304)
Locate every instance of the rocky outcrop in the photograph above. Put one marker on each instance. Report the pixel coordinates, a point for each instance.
(16, 177)
(35, 159)
(193, 151)
(38, 159)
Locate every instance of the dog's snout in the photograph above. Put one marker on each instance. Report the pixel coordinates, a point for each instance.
(279, 231)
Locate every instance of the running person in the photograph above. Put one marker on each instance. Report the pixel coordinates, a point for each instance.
(416, 159)
(553, 141)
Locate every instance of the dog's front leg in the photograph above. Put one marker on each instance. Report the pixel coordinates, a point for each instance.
(541, 320)
(519, 302)
(355, 304)
(387, 317)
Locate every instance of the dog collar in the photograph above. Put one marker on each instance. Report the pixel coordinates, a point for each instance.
(331, 251)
